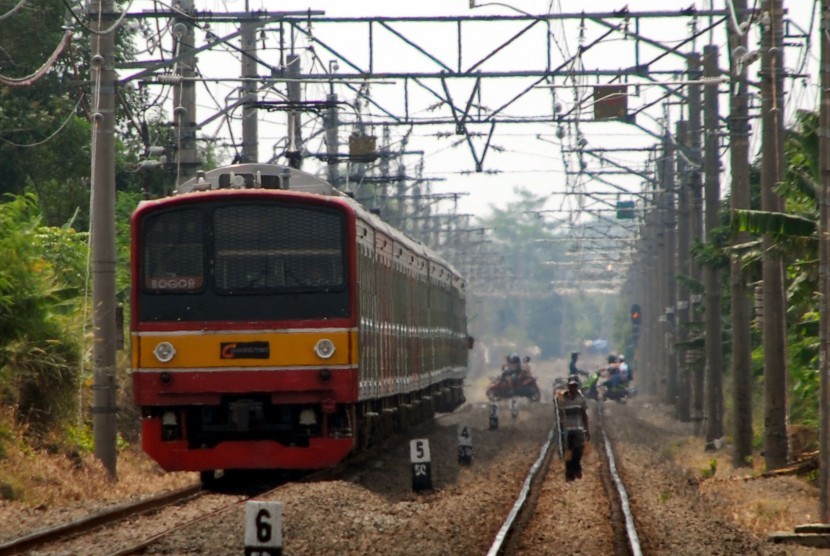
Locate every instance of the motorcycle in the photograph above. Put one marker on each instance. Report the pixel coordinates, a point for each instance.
(598, 387)
(526, 387)
(619, 392)
(591, 387)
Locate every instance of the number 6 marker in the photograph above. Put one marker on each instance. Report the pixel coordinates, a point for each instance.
(263, 528)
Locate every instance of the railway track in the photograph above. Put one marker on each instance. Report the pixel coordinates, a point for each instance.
(193, 526)
(623, 528)
(72, 533)
(44, 537)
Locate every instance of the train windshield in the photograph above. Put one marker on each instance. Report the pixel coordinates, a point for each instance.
(244, 260)
(174, 252)
(263, 248)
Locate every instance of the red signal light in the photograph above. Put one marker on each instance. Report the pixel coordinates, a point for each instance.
(635, 314)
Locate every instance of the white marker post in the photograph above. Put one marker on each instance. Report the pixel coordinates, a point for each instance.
(465, 444)
(263, 528)
(421, 464)
(514, 408)
(494, 417)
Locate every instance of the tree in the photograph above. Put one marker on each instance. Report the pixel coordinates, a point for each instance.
(43, 134)
(792, 235)
(532, 307)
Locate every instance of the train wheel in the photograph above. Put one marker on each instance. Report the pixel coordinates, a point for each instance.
(208, 478)
(367, 427)
(430, 409)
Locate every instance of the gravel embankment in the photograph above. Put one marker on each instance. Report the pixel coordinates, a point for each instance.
(374, 511)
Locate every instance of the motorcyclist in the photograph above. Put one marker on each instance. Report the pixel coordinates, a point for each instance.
(573, 415)
(511, 373)
(614, 377)
(573, 370)
(625, 370)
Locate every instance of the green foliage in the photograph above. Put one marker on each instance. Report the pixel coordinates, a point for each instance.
(775, 223)
(39, 349)
(81, 437)
(63, 201)
(126, 203)
(714, 252)
(803, 362)
(709, 472)
(532, 310)
(5, 437)
(800, 187)
(794, 233)
(10, 491)
(45, 135)
(694, 286)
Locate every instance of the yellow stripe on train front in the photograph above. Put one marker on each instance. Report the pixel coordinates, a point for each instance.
(226, 349)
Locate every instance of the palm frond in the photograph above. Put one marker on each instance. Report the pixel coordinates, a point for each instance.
(773, 223)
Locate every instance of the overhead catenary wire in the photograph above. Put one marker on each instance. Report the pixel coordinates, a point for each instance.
(112, 28)
(40, 72)
(51, 135)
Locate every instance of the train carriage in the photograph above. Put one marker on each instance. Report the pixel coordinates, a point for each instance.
(278, 324)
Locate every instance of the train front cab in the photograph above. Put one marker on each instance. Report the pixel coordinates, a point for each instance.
(240, 360)
(243, 416)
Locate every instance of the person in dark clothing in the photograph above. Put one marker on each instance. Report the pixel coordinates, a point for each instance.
(573, 370)
(512, 371)
(573, 414)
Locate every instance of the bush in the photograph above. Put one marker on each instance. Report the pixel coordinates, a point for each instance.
(40, 351)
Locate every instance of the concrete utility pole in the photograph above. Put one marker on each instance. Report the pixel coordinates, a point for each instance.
(650, 327)
(670, 260)
(683, 267)
(382, 199)
(295, 131)
(711, 274)
(184, 97)
(662, 269)
(740, 294)
(696, 219)
(103, 77)
(824, 269)
(331, 122)
(772, 172)
(250, 140)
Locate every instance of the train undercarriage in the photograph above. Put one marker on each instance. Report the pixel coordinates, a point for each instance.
(252, 432)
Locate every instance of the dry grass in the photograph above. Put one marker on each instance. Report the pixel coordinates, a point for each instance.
(56, 476)
(761, 505)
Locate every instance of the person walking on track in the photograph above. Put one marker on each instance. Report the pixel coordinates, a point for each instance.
(573, 415)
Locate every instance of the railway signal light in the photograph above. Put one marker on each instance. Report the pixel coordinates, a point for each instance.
(636, 316)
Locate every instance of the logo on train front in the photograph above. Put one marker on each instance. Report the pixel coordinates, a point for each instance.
(244, 350)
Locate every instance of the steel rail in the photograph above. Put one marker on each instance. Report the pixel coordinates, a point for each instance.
(519, 505)
(342, 470)
(63, 531)
(508, 527)
(625, 506)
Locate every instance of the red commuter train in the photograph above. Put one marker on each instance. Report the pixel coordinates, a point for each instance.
(278, 324)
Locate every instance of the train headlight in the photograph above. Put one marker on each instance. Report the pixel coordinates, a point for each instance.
(324, 348)
(164, 352)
